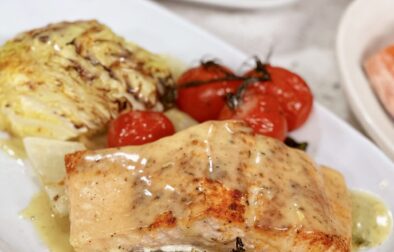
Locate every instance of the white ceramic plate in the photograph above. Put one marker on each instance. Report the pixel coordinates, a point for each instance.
(366, 27)
(241, 4)
(332, 142)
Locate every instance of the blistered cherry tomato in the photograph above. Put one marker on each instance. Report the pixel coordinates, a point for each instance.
(290, 90)
(202, 90)
(138, 127)
(261, 112)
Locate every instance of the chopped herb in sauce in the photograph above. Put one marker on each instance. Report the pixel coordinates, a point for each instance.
(359, 241)
(372, 221)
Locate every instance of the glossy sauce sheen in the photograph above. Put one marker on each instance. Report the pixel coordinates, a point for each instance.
(40, 214)
(121, 195)
(372, 221)
(13, 147)
(54, 231)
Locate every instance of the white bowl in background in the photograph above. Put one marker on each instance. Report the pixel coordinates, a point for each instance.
(366, 27)
(241, 4)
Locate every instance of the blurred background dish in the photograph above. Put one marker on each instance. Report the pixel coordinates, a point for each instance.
(241, 4)
(366, 27)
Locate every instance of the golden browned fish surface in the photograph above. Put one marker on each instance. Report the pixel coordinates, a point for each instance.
(71, 78)
(206, 186)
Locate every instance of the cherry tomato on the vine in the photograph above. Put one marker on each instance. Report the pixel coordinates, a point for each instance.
(289, 89)
(202, 90)
(261, 112)
(138, 127)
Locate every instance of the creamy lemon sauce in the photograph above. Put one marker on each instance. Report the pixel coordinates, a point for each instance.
(145, 167)
(177, 175)
(54, 231)
(13, 147)
(225, 152)
(372, 221)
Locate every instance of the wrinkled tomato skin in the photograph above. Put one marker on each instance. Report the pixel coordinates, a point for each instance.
(138, 127)
(262, 113)
(204, 102)
(292, 92)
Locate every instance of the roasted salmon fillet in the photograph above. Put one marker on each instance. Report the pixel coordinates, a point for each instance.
(211, 186)
(380, 70)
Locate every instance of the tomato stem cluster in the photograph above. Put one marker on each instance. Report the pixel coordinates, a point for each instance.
(233, 99)
(271, 100)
